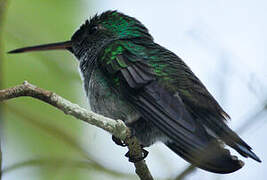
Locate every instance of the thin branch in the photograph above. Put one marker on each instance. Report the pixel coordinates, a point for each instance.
(62, 162)
(115, 127)
(253, 119)
(186, 172)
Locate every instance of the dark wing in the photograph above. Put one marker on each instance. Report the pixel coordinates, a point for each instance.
(160, 103)
(200, 103)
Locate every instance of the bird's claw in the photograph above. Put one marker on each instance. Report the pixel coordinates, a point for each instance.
(118, 141)
(135, 159)
(132, 159)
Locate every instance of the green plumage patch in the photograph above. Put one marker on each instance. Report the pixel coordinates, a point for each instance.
(113, 57)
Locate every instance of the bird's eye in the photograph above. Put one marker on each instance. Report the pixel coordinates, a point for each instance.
(93, 29)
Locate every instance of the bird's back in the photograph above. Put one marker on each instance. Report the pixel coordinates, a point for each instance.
(165, 92)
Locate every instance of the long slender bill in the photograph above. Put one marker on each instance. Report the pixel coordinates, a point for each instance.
(44, 47)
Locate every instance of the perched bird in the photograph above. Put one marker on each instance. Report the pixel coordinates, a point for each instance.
(128, 76)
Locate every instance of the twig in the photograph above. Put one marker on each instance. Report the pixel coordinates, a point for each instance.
(253, 119)
(115, 127)
(56, 162)
(186, 172)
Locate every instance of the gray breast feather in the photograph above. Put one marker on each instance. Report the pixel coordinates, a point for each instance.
(108, 102)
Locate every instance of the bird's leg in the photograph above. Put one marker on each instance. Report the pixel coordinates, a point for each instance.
(135, 159)
(128, 124)
(118, 141)
(132, 157)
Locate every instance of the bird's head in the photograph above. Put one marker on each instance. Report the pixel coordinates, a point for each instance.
(97, 32)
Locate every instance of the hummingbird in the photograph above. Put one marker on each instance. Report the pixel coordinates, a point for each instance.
(128, 76)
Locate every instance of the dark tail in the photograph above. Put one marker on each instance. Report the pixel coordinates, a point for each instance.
(214, 158)
(204, 150)
(233, 140)
(227, 135)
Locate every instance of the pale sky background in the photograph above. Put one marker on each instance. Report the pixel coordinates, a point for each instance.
(224, 43)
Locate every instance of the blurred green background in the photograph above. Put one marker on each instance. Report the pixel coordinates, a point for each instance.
(40, 142)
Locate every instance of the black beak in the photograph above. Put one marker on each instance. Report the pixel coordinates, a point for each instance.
(67, 45)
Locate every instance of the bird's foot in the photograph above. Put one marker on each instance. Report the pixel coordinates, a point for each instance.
(137, 159)
(132, 158)
(118, 141)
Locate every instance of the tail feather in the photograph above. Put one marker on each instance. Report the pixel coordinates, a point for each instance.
(214, 159)
(233, 140)
(246, 152)
(210, 156)
(230, 137)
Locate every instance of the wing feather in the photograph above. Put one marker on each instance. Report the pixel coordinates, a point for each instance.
(159, 102)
